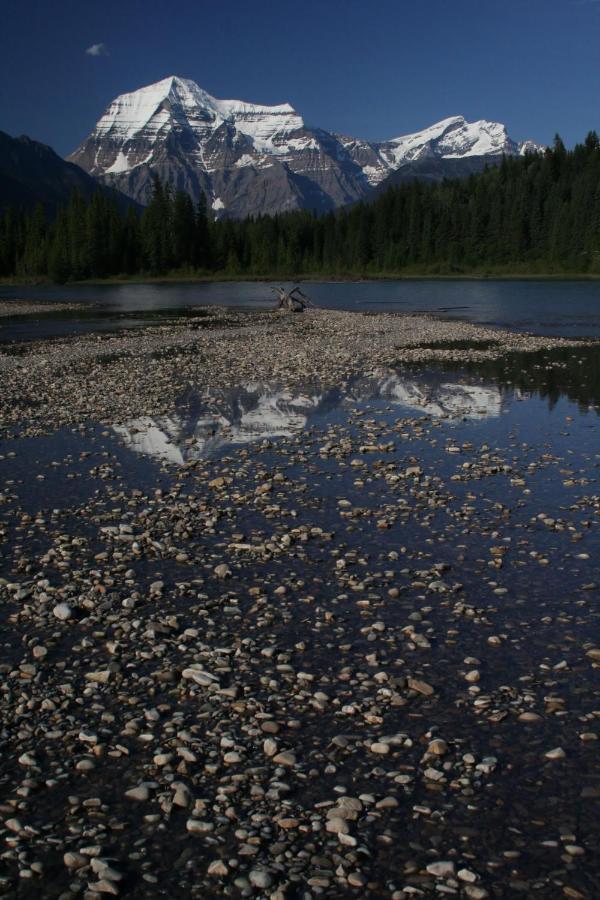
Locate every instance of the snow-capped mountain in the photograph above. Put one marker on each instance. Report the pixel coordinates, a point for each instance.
(452, 138)
(256, 411)
(251, 159)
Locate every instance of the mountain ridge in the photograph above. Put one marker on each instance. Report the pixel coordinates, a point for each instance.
(251, 159)
(32, 173)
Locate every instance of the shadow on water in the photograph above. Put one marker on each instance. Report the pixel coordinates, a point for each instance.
(455, 345)
(551, 374)
(18, 330)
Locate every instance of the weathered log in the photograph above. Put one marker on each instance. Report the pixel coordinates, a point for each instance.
(292, 301)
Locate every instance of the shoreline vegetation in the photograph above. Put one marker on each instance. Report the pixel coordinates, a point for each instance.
(178, 277)
(532, 216)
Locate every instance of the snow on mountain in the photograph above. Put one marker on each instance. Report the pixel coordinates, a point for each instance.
(250, 158)
(468, 401)
(151, 113)
(455, 137)
(452, 138)
(256, 411)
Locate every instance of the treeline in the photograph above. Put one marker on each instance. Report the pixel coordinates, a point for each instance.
(537, 213)
(97, 240)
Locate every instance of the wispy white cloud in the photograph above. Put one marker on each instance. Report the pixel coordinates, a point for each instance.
(97, 50)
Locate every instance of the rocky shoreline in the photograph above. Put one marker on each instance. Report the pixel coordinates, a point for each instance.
(31, 308)
(354, 661)
(117, 377)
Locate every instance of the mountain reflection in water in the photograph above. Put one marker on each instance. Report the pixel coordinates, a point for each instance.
(257, 410)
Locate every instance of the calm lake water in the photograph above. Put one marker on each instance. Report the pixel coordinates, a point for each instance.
(569, 308)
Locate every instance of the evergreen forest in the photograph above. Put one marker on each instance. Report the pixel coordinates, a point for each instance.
(536, 214)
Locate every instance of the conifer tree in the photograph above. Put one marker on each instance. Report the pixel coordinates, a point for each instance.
(539, 212)
(202, 253)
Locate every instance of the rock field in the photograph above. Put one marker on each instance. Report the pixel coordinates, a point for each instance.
(359, 661)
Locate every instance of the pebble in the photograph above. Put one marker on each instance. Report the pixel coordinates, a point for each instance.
(441, 869)
(421, 687)
(266, 646)
(285, 759)
(380, 748)
(260, 879)
(140, 793)
(75, 860)
(218, 869)
(62, 611)
(467, 875)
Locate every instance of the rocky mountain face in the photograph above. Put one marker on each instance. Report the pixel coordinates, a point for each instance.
(32, 173)
(250, 159)
(434, 169)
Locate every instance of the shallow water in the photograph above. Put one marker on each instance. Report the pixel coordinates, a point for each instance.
(566, 308)
(474, 494)
(549, 396)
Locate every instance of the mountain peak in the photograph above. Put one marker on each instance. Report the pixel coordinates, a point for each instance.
(175, 101)
(451, 138)
(251, 158)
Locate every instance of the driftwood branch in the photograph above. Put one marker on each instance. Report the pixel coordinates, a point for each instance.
(292, 301)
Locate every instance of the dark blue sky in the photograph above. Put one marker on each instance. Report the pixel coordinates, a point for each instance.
(370, 69)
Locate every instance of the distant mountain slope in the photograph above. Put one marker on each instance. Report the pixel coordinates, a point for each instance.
(32, 173)
(250, 159)
(435, 169)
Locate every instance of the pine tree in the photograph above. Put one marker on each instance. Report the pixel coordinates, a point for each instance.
(202, 253)
(156, 231)
(184, 233)
(540, 212)
(59, 267)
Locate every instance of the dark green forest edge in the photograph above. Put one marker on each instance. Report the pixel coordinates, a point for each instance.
(538, 215)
